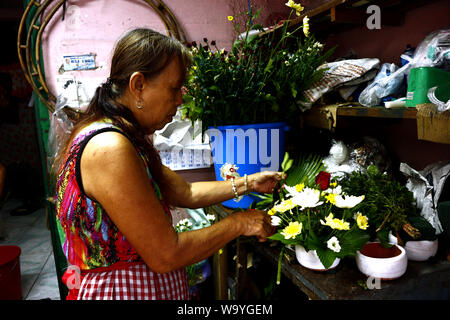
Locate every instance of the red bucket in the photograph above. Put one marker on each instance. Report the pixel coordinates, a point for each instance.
(10, 280)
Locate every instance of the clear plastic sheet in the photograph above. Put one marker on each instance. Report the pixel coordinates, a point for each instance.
(61, 125)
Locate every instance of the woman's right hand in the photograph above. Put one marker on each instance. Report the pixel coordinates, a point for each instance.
(254, 223)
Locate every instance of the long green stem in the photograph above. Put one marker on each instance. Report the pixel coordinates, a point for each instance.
(280, 259)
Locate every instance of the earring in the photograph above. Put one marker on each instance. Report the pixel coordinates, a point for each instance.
(139, 104)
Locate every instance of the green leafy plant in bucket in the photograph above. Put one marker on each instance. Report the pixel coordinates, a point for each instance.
(261, 79)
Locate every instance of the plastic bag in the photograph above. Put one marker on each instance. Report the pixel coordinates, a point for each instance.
(433, 51)
(61, 126)
(369, 151)
(427, 186)
(387, 82)
(337, 161)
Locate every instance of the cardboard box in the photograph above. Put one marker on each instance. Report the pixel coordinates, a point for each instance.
(433, 125)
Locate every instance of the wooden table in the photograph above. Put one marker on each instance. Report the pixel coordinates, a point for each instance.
(422, 280)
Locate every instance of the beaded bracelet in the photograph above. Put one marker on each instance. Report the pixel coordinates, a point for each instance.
(233, 186)
(245, 183)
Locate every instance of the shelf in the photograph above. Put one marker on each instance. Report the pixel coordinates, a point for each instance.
(431, 125)
(421, 280)
(378, 112)
(337, 15)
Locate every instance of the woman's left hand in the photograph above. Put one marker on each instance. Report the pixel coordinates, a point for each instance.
(265, 182)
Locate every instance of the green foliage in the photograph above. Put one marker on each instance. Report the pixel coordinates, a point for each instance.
(302, 170)
(262, 78)
(388, 204)
(305, 170)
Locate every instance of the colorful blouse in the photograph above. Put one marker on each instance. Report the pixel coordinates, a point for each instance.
(110, 266)
(88, 236)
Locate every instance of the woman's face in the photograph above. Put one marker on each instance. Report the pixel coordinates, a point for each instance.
(160, 98)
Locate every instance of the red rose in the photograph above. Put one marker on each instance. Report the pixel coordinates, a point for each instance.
(323, 179)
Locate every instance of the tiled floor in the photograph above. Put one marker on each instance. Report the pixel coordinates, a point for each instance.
(37, 265)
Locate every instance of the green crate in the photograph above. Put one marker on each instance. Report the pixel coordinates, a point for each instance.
(421, 80)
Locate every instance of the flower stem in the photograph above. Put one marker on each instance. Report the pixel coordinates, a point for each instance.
(280, 259)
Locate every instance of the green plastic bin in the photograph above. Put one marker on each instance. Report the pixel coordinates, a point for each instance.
(421, 80)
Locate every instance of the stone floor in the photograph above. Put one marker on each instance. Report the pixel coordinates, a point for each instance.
(37, 265)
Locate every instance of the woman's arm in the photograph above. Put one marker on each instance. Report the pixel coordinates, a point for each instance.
(205, 193)
(114, 175)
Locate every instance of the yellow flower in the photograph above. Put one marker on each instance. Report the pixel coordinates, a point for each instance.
(230, 18)
(331, 198)
(296, 6)
(284, 206)
(271, 212)
(361, 220)
(335, 223)
(306, 26)
(334, 183)
(299, 187)
(292, 230)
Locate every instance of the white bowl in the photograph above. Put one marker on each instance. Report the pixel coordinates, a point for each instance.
(384, 268)
(421, 250)
(310, 260)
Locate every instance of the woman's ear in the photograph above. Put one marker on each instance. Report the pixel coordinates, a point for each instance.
(136, 84)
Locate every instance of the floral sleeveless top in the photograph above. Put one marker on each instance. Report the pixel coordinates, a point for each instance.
(88, 236)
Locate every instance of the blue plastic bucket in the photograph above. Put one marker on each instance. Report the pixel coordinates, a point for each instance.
(249, 149)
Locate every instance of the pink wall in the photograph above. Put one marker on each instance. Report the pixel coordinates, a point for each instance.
(389, 42)
(94, 26)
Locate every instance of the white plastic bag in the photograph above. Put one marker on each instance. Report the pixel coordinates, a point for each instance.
(427, 185)
(387, 82)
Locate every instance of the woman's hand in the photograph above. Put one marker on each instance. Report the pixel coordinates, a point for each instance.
(254, 223)
(265, 182)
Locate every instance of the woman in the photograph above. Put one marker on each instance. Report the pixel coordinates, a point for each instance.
(113, 192)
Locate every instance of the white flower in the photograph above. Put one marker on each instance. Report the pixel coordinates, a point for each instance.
(275, 221)
(210, 217)
(308, 198)
(337, 190)
(333, 244)
(295, 190)
(184, 223)
(344, 201)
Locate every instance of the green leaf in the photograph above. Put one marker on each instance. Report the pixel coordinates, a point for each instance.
(306, 170)
(279, 237)
(268, 66)
(327, 257)
(352, 241)
(426, 229)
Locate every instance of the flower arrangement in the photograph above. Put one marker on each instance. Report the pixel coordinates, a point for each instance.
(320, 216)
(262, 78)
(389, 205)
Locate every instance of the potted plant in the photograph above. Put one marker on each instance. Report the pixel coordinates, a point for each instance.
(319, 219)
(394, 218)
(389, 205)
(251, 93)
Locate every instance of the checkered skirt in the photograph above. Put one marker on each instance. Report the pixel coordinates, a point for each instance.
(133, 282)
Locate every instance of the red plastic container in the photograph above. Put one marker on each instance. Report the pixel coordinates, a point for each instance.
(10, 279)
